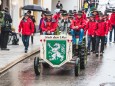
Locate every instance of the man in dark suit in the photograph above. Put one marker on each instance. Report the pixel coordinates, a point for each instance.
(59, 5)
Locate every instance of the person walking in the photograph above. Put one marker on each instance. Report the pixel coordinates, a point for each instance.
(5, 29)
(101, 32)
(26, 28)
(91, 27)
(59, 5)
(112, 20)
(34, 21)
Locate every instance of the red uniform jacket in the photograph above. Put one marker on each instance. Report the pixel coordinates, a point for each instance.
(49, 26)
(109, 27)
(91, 28)
(97, 18)
(79, 22)
(84, 16)
(101, 29)
(112, 19)
(75, 16)
(26, 27)
(56, 17)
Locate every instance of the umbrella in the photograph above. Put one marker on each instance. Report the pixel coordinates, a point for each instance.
(33, 8)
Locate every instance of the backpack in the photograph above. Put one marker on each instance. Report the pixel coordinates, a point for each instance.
(6, 26)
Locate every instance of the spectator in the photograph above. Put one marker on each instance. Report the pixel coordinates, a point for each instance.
(26, 28)
(86, 5)
(5, 29)
(59, 5)
(34, 21)
(41, 20)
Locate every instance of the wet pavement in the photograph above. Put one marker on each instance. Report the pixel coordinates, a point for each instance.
(99, 72)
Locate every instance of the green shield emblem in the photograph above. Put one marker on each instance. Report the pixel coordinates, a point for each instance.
(56, 51)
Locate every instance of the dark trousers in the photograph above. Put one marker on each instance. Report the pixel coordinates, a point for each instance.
(110, 37)
(93, 41)
(32, 39)
(98, 38)
(4, 39)
(25, 40)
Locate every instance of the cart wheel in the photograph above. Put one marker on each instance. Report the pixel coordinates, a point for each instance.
(83, 58)
(77, 67)
(36, 66)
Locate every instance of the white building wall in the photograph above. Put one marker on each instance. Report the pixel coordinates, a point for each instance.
(48, 4)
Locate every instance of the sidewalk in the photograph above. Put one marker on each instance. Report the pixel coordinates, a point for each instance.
(16, 53)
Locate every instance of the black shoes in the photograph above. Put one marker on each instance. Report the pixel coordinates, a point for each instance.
(26, 51)
(97, 54)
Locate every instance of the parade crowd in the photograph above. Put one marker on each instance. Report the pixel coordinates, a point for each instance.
(76, 23)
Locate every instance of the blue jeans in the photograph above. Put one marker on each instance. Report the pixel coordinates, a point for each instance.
(113, 28)
(75, 33)
(93, 40)
(106, 39)
(45, 33)
(25, 40)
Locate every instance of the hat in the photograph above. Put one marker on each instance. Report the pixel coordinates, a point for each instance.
(48, 13)
(101, 14)
(70, 11)
(71, 15)
(29, 11)
(79, 11)
(95, 11)
(79, 14)
(113, 10)
(26, 14)
(74, 11)
(64, 13)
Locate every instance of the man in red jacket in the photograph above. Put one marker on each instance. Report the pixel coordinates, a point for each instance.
(75, 14)
(77, 29)
(101, 32)
(112, 20)
(84, 14)
(108, 23)
(26, 28)
(91, 27)
(96, 15)
(49, 24)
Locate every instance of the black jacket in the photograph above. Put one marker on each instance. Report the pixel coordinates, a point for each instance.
(59, 6)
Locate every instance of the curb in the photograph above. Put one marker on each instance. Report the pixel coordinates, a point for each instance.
(20, 58)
